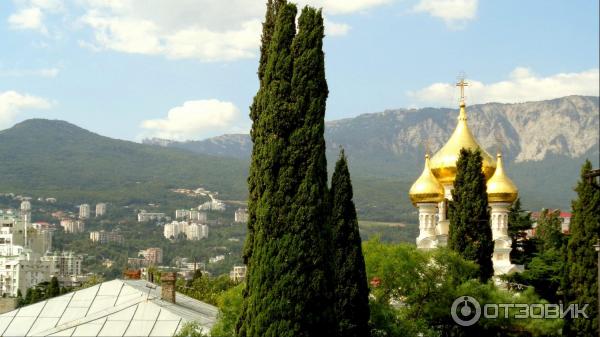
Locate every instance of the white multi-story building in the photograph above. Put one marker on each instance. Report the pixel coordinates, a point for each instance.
(21, 248)
(196, 231)
(39, 237)
(152, 255)
(213, 205)
(191, 215)
(238, 273)
(21, 271)
(181, 213)
(100, 209)
(72, 225)
(186, 265)
(216, 259)
(192, 231)
(241, 215)
(103, 237)
(84, 211)
(11, 223)
(147, 216)
(64, 264)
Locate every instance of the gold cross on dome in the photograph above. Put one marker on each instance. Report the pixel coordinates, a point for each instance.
(462, 84)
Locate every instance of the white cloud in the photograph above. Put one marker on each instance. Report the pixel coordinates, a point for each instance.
(28, 18)
(12, 103)
(207, 30)
(336, 29)
(196, 120)
(201, 29)
(522, 85)
(44, 72)
(454, 12)
(343, 6)
(51, 5)
(31, 13)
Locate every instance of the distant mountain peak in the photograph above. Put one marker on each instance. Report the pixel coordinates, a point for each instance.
(528, 131)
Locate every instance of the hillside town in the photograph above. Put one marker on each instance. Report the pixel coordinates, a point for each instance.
(29, 258)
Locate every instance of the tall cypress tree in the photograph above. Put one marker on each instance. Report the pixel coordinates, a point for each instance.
(351, 290)
(582, 260)
(470, 233)
(257, 134)
(271, 102)
(306, 179)
(287, 291)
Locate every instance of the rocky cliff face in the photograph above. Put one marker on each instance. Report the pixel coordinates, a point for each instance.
(528, 131)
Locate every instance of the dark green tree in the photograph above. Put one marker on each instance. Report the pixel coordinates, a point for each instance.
(53, 288)
(519, 221)
(548, 231)
(545, 270)
(28, 296)
(470, 233)
(288, 292)
(351, 289)
(261, 176)
(35, 295)
(582, 259)
(20, 299)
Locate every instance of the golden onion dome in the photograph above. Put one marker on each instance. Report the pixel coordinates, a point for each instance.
(426, 188)
(500, 188)
(443, 163)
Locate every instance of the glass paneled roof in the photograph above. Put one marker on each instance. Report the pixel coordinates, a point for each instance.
(113, 308)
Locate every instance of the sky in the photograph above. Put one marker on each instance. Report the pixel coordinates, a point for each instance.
(186, 69)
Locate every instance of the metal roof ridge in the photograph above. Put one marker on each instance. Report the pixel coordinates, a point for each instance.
(93, 316)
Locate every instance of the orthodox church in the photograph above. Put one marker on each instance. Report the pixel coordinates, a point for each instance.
(432, 191)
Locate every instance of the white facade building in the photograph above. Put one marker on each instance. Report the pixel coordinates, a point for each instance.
(238, 273)
(216, 259)
(192, 231)
(241, 215)
(84, 211)
(103, 237)
(72, 225)
(64, 264)
(147, 216)
(100, 209)
(22, 271)
(213, 205)
(191, 215)
(153, 255)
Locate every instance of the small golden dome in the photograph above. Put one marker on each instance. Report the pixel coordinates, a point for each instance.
(426, 188)
(500, 188)
(443, 163)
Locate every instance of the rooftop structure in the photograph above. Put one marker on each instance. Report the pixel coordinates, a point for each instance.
(113, 308)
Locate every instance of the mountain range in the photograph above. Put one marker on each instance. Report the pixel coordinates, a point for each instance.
(545, 143)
